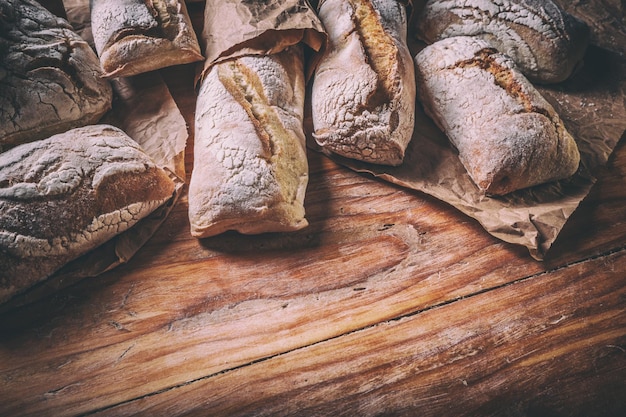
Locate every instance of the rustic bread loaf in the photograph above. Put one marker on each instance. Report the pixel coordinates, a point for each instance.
(363, 92)
(546, 43)
(63, 196)
(135, 36)
(50, 79)
(250, 168)
(507, 135)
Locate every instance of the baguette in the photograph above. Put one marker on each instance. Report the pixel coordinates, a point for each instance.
(50, 79)
(546, 43)
(363, 92)
(250, 169)
(63, 196)
(136, 36)
(507, 135)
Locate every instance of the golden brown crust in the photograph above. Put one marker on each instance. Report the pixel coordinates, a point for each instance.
(363, 93)
(250, 167)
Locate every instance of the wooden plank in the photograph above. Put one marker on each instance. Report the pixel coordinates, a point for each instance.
(160, 325)
(546, 346)
(184, 309)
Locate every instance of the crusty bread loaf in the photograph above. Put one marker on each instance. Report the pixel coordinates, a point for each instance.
(63, 196)
(250, 167)
(363, 92)
(136, 36)
(546, 43)
(50, 79)
(507, 135)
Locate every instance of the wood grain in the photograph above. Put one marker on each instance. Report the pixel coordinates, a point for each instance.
(542, 346)
(213, 304)
(389, 303)
(185, 309)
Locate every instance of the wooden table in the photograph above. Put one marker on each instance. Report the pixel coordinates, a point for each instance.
(389, 303)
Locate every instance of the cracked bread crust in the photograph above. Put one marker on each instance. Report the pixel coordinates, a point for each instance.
(507, 135)
(63, 196)
(363, 93)
(50, 78)
(546, 43)
(136, 36)
(250, 168)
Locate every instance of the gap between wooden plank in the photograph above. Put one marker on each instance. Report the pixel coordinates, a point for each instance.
(394, 319)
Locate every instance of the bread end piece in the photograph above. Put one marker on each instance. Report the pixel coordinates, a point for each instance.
(133, 37)
(51, 78)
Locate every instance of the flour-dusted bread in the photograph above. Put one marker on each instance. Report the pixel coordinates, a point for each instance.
(546, 43)
(507, 135)
(363, 93)
(250, 169)
(63, 196)
(136, 36)
(50, 79)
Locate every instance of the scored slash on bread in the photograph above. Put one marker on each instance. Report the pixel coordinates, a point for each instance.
(363, 92)
(507, 135)
(250, 168)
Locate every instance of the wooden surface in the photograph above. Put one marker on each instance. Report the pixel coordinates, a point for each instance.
(389, 303)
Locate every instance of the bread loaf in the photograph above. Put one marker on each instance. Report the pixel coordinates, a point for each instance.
(250, 168)
(507, 135)
(546, 43)
(363, 92)
(63, 196)
(135, 36)
(50, 79)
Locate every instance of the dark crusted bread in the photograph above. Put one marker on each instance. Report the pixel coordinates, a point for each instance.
(63, 196)
(546, 43)
(50, 78)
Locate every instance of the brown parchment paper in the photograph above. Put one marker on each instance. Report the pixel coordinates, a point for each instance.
(235, 28)
(144, 108)
(592, 106)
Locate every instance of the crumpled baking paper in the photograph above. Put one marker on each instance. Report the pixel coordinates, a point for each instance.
(235, 28)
